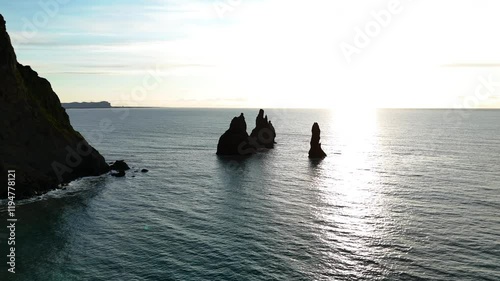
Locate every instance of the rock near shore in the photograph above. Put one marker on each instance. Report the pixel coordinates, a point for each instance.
(37, 139)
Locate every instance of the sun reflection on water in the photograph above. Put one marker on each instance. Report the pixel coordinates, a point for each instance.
(349, 185)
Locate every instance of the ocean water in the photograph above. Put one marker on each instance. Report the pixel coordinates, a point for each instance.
(402, 195)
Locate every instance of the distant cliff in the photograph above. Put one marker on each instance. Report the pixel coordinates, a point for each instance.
(36, 137)
(102, 104)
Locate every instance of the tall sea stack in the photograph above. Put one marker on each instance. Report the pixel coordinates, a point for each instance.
(37, 140)
(263, 134)
(316, 151)
(235, 141)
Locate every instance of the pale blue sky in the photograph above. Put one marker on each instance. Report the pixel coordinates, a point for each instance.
(267, 53)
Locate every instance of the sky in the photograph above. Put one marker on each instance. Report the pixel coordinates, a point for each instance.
(263, 53)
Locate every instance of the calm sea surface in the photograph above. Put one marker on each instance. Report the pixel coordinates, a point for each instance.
(402, 195)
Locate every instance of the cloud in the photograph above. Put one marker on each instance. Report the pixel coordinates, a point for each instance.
(474, 65)
(285, 51)
(124, 69)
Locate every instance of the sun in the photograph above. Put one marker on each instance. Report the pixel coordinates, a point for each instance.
(354, 121)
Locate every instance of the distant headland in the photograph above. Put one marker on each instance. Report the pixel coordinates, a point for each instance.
(101, 104)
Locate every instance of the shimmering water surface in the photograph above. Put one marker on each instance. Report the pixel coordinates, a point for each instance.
(402, 195)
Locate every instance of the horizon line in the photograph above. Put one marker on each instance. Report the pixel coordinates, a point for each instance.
(320, 108)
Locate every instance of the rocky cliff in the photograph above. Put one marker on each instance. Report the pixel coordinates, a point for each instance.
(36, 137)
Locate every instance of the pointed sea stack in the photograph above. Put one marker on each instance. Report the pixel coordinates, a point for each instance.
(37, 140)
(263, 134)
(316, 151)
(235, 141)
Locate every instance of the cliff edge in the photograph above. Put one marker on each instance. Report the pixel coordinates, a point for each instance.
(37, 139)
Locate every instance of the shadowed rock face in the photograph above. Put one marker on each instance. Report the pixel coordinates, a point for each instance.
(37, 139)
(316, 151)
(235, 141)
(264, 134)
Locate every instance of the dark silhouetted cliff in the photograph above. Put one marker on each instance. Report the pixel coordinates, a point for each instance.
(37, 139)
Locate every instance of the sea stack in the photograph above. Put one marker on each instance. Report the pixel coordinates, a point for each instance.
(316, 151)
(37, 140)
(264, 134)
(235, 141)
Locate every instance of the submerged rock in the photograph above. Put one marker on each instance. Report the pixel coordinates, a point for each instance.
(235, 141)
(264, 134)
(316, 151)
(37, 140)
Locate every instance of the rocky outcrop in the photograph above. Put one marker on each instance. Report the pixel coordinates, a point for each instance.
(263, 134)
(37, 139)
(119, 165)
(235, 141)
(118, 168)
(316, 151)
